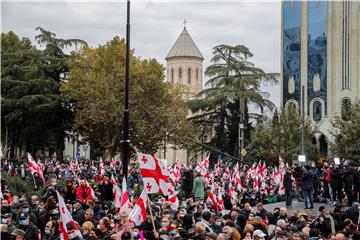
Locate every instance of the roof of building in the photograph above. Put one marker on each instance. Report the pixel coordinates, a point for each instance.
(185, 47)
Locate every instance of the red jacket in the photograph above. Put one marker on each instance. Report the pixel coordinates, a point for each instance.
(83, 193)
(327, 175)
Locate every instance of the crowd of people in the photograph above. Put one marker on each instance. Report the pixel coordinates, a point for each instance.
(89, 197)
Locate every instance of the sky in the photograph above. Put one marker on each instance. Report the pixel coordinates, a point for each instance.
(155, 25)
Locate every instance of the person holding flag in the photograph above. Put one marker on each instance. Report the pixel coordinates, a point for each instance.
(35, 168)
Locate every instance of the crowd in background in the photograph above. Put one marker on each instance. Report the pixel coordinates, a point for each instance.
(243, 215)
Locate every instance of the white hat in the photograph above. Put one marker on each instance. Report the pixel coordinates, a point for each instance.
(259, 233)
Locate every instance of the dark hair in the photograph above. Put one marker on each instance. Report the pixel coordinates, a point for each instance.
(206, 215)
(106, 222)
(230, 224)
(314, 232)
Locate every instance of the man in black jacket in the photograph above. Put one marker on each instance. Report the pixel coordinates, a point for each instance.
(349, 176)
(78, 213)
(288, 187)
(105, 189)
(336, 183)
(31, 230)
(307, 184)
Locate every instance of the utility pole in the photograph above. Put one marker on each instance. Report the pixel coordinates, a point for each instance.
(126, 141)
(302, 120)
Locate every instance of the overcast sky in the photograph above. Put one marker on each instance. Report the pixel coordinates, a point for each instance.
(155, 25)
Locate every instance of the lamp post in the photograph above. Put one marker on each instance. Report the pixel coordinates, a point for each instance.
(126, 141)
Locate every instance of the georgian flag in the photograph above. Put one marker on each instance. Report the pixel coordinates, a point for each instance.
(102, 169)
(220, 201)
(138, 213)
(212, 198)
(112, 164)
(251, 172)
(155, 174)
(65, 218)
(112, 180)
(117, 197)
(33, 167)
(126, 206)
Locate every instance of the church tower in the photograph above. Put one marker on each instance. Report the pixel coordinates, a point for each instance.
(184, 64)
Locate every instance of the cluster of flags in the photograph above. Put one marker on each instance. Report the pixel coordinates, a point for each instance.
(156, 177)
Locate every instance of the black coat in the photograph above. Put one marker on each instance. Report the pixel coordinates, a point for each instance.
(78, 216)
(31, 232)
(307, 181)
(349, 175)
(287, 183)
(353, 213)
(336, 178)
(106, 192)
(70, 195)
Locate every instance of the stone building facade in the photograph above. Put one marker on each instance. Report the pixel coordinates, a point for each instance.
(320, 54)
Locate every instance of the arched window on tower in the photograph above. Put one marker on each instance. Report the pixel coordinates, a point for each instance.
(345, 109)
(172, 75)
(197, 74)
(189, 75)
(180, 74)
(317, 111)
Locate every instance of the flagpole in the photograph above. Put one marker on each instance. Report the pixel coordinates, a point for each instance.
(151, 215)
(126, 140)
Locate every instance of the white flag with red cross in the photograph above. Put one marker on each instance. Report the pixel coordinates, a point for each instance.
(155, 174)
(220, 201)
(34, 168)
(112, 180)
(251, 171)
(65, 218)
(138, 213)
(212, 198)
(102, 168)
(117, 197)
(174, 202)
(126, 205)
(112, 164)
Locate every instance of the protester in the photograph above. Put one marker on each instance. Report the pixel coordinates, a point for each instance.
(229, 202)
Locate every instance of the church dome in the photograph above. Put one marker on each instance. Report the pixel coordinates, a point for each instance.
(184, 47)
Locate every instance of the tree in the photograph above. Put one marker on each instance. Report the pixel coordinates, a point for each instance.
(34, 114)
(95, 89)
(346, 131)
(282, 137)
(234, 84)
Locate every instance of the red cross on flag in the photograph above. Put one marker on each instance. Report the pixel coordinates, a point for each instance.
(112, 164)
(220, 201)
(212, 198)
(138, 213)
(65, 218)
(33, 167)
(126, 205)
(101, 166)
(155, 174)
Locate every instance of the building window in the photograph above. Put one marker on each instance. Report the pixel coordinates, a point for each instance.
(345, 109)
(172, 75)
(317, 112)
(197, 74)
(180, 73)
(189, 75)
